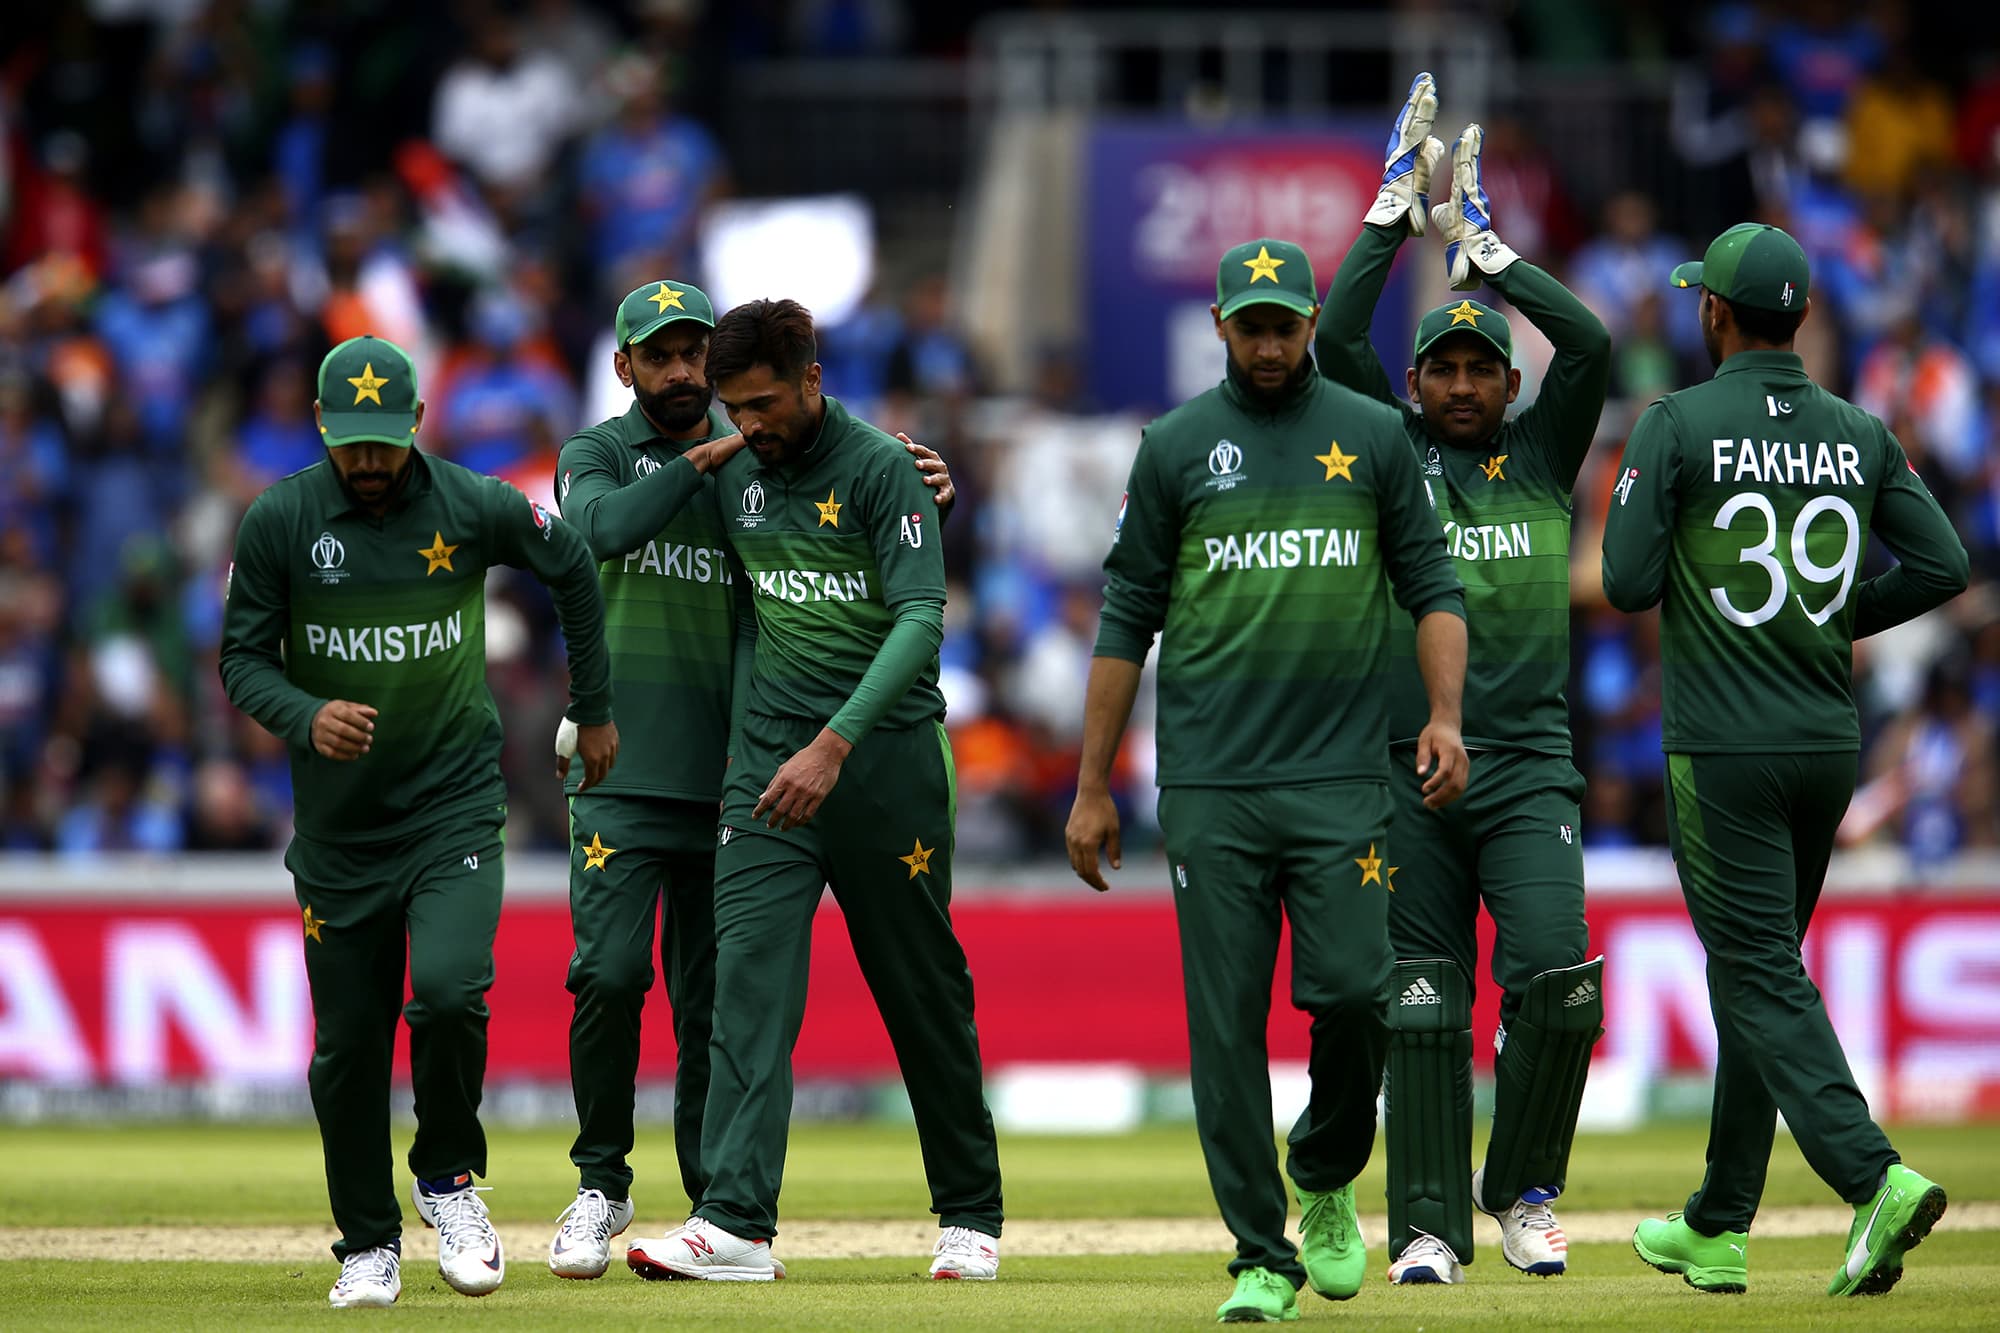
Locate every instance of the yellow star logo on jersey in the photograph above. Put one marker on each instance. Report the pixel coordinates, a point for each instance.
(313, 923)
(919, 859)
(667, 298)
(595, 853)
(829, 512)
(1263, 266)
(1390, 871)
(1371, 867)
(1491, 467)
(1463, 313)
(368, 385)
(1337, 463)
(439, 555)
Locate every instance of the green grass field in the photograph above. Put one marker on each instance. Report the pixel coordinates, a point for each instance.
(240, 1183)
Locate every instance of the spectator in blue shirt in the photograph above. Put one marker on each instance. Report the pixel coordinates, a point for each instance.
(645, 177)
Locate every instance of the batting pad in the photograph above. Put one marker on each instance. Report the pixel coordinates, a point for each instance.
(1427, 1102)
(1538, 1082)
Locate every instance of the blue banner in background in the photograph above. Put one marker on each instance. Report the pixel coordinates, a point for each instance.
(1165, 199)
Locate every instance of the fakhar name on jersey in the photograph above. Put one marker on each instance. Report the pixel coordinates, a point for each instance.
(1787, 463)
(386, 643)
(1284, 548)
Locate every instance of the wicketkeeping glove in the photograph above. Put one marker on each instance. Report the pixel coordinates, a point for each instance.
(1471, 251)
(1408, 159)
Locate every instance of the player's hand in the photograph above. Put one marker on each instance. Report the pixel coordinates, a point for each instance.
(711, 455)
(1093, 825)
(565, 747)
(1441, 754)
(343, 730)
(800, 786)
(1408, 160)
(1472, 253)
(598, 748)
(936, 475)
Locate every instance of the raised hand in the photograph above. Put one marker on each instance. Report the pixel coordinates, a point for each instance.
(1472, 253)
(1408, 160)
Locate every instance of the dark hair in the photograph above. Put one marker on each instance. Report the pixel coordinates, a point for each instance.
(778, 334)
(1773, 328)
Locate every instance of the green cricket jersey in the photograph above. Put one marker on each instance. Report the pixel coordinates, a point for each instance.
(327, 601)
(1742, 508)
(837, 547)
(670, 602)
(1255, 540)
(1505, 505)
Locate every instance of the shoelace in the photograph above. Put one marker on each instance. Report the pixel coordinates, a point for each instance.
(958, 1240)
(1319, 1209)
(1425, 1246)
(589, 1216)
(1534, 1216)
(369, 1267)
(461, 1219)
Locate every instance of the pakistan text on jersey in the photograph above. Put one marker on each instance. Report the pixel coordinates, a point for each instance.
(386, 643)
(1488, 541)
(1787, 462)
(812, 585)
(677, 560)
(1284, 548)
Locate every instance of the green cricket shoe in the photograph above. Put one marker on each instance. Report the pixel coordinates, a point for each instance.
(1262, 1297)
(1896, 1220)
(1330, 1243)
(1718, 1264)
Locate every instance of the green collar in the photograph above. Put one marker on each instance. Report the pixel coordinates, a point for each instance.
(1763, 359)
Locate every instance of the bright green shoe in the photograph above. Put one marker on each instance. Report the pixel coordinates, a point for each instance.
(1897, 1219)
(1719, 1264)
(1331, 1245)
(1262, 1297)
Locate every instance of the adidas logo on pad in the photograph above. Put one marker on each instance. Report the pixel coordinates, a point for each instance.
(1420, 992)
(1583, 994)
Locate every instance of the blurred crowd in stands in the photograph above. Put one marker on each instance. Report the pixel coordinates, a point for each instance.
(198, 199)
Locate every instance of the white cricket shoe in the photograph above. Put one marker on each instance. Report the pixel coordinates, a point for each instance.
(699, 1250)
(1530, 1239)
(469, 1257)
(582, 1244)
(964, 1253)
(369, 1279)
(1426, 1261)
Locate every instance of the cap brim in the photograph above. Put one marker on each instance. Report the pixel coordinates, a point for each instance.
(647, 330)
(1470, 331)
(338, 428)
(1686, 275)
(1298, 305)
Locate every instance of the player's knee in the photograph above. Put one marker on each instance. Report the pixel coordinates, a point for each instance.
(1343, 995)
(612, 980)
(446, 1000)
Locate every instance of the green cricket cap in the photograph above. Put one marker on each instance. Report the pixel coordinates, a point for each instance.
(1265, 271)
(367, 391)
(1473, 317)
(648, 309)
(1751, 264)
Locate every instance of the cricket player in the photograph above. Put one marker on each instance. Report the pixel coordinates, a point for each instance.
(840, 775)
(1266, 524)
(1502, 490)
(355, 630)
(1742, 508)
(639, 488)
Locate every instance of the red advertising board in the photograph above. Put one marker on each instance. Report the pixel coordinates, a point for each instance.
(129, 993)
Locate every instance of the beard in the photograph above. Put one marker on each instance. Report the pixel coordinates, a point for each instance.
(677, 409)
(1709, 340)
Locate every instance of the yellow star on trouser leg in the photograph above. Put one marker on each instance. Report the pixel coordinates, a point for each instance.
(1371, 866)
(919, 859)
(595, 853)
(313, 923)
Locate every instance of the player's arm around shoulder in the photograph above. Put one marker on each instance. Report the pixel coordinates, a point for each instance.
(1639, 529)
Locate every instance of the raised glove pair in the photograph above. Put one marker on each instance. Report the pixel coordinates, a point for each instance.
(1472, 253)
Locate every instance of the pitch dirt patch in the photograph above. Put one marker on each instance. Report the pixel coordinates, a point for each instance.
(1031, 1237)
